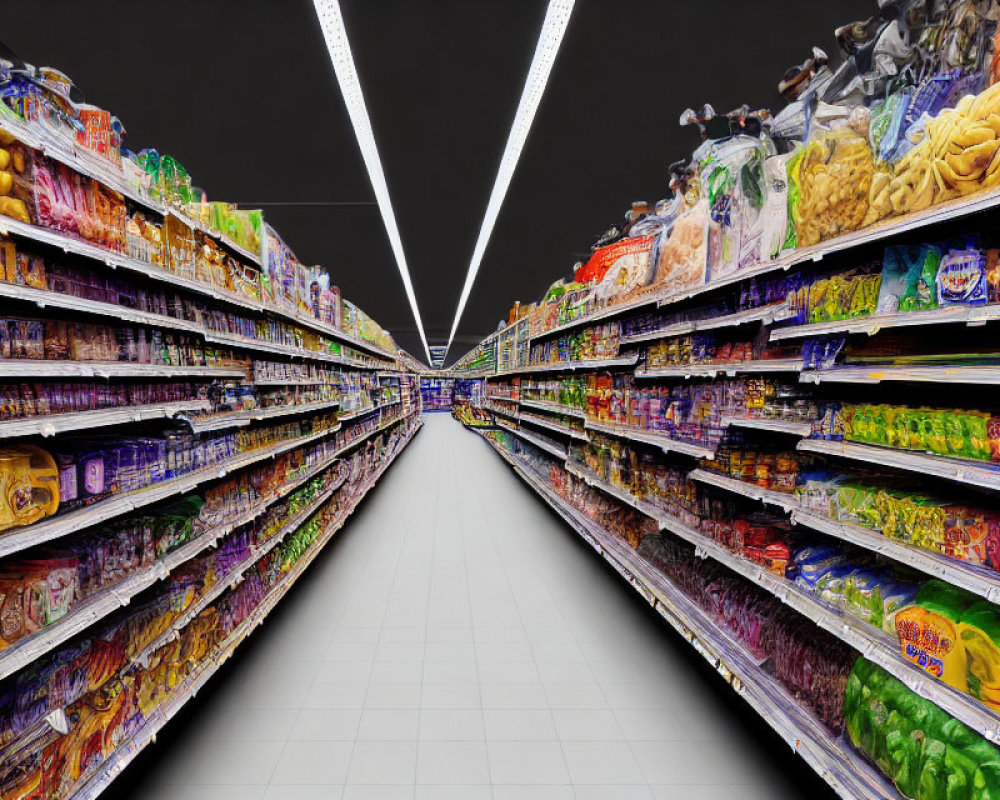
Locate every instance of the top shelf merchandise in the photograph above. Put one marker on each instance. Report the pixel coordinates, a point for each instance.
(746, 405)
(188, 414)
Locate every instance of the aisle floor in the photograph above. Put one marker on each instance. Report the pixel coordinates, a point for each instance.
(458, 642)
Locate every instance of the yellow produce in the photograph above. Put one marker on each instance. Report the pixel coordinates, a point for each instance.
(4, 158)
(11, 207)
(835, 177)
(958, 153)
(6, 183)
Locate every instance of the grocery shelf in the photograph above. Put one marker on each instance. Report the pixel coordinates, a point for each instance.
(873, 643)
(60, 525)
(661, 440)
(569, 366)
(552, 425)
(832, 758)
(540, 443)
(774, 425)
(112, 766)
(874, 323)
(784, 500)
(972, 373)
(978, 580)
(70, 244)
(601, 314)
(880, 231)
(109, 599)
(240, 419)
(52, 424)
(625, 496)
(507, 397)
(98, 168)
(365, 436)
(247, 343)
(80, 247)
(765, 314)
(232, 578)
(554, 408)
(47, 299)
(976, 473)
(502, 412)
(733, 368)
(28, 368)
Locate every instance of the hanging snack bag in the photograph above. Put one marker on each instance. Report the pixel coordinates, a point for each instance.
(683, 255)
(909, 276)
(961, 278)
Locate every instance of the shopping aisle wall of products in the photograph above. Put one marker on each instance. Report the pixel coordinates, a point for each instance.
(768, 402)
(458, 641)
(188, 416)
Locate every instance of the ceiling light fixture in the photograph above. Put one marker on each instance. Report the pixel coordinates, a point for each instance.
(332, 23)
(556, 19)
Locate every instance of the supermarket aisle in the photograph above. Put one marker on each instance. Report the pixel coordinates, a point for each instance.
(458, 641)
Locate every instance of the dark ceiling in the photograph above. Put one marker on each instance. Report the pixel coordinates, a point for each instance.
(242, 92)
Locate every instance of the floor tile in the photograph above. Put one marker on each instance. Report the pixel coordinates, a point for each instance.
(451, 725)
(383, 762)
(519, 724)
(527, 763)
(452, 763)
(237, 762)
(286, 791)
(313, 762)
(601, 762)
(392, 724)
(326, 724)
(586, 724)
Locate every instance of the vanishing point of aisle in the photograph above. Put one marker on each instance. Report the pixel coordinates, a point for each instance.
(458, 641)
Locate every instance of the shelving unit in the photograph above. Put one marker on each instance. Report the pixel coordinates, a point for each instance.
(289, 437)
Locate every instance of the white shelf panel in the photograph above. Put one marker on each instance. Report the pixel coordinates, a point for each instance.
(598, 316)
(965, 374)
(654, 438)
(774, 425)
(554, 408)
(833, 759)
(552, 425)
(784, 500)
(764, 314)
(977, 473)
(240, 419)
(540, 443)
(712, 370)
(970, 315)
(52, 424)
(47, 299)
(571, 366)
(26, 368)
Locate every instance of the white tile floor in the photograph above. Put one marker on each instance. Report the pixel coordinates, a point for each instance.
(458, 642)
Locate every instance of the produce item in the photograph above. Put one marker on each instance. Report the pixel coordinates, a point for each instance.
(926, 753)
(833, 178)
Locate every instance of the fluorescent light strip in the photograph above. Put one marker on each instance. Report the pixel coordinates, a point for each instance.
(556, 19)
(332, 23)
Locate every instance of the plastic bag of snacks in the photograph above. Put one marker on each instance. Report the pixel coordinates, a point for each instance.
(683, 252)
(833, 178)
(732, 180)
